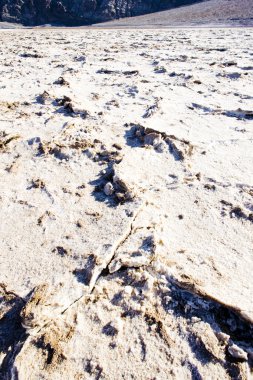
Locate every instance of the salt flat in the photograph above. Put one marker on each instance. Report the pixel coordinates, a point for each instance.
(126, 204)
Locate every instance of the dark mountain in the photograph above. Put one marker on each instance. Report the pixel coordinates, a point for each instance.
(80, 12)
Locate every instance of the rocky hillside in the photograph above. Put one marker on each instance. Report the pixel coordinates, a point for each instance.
(212, 13)
(78, 12)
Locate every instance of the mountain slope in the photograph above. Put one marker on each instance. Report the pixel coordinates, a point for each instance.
(78, 12)
(212, 12)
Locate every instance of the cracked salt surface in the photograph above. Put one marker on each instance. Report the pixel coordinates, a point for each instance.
(126, 204)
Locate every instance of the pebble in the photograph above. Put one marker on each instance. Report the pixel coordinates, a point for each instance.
(108, 189)
(223, 337)
(237, 352)
(161, 147)
(152, 139)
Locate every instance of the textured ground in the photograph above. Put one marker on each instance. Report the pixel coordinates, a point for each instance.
(126, 204)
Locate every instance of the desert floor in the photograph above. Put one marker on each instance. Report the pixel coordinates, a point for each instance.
(126, 204)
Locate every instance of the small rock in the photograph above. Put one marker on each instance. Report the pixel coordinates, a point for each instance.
(160, 70)
(223, 337)
(38, 184)
(62, 81)
(115, 266)
(89, 153)
(108, 189)
(161, 147)
(123, 191)
(44, 98)
(63, 101)
(129, 262)
(117, 146)
(82, 58)
(152, 139)
(210, 187)
(110, 330)
(229, 63)
(196, 319)
(80, 223)
(237, 353)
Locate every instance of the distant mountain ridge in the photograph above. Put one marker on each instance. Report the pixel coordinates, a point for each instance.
(230, 13)
(80, 12)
